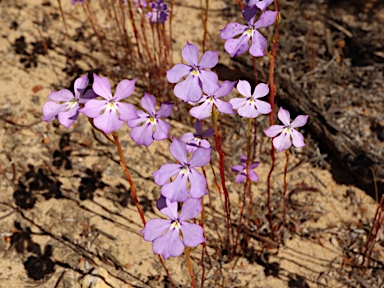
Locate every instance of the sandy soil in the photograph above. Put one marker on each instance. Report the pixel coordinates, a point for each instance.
(67, 219)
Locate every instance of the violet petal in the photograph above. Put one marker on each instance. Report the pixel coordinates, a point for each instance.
(155, 228)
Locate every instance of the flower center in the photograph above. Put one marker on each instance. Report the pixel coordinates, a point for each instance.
(71, 103)
(175, 225)
(198, 140)
(185, 170)
(287, 130)
(250, 101)
(211, 98)
(249, 31)
(152, 120)
(111, 106)
(195, 71)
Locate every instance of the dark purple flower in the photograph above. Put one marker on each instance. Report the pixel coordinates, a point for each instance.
(169, 237)
(250, 10)
(110, 113)
(64, 105)
(76, 1)
(177, 190)
(236, 47)
(242, 170)
(152, 127)
(159, 13)
(205, 109)
(197, 140)
(198, 79)
(283, 141)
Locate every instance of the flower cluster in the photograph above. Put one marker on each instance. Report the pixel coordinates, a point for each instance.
(109, 112)
(181, 181)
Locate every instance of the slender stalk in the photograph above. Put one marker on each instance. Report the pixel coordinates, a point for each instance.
(255, 70)
(128, 47)
(129, 177)
(187, 252)
(211, 207)
(134, 195)
(247, 183)
(166, 271)
(372, 236)
(135, 32)
(63, 17)
(205, 25)
(285, 185)
(252, 157)
(170, 32)
(238, 2)
(227, 205)
(201, 223)
(272, 93)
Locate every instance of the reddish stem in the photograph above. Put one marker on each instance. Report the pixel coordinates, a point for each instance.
(272, 93)
(371, 239)
(227, 205)
(129, 177)
(211, 207)
(285, 186)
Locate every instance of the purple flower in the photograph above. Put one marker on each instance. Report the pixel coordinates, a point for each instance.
(140, 4)
(191, 88)
(169, 237)
(177, 189)
(250, 107)
(152, 128)
(242, 170)
(76, 1)
(205, 110)
(283, 141)
(250, 10)
(109, 113)
(197, 140)
(159, 13)
(64, 105)
(236, 47)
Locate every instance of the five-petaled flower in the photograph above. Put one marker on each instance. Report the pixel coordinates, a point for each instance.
(283, 141)
(177, 190)
(152, 128)
(109, 114)
(159, 13)
(250, 107)
(242, 170)
(198, 79)
(205, 109)
(169, 237)
(236, 47)
(197, 140)
(64, 105)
